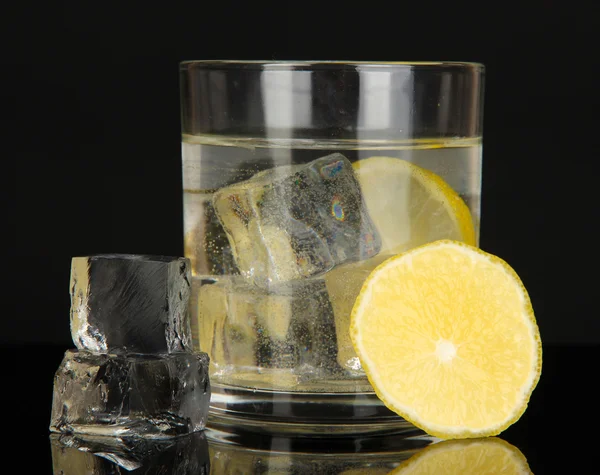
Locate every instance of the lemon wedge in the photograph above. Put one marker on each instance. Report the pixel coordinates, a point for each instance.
(448, 339)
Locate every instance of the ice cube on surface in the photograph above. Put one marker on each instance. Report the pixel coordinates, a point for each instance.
(103, 455)
(297, 221)
(130, 395)
(254, 335)
(130, 303)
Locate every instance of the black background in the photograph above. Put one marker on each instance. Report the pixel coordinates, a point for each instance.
(90, 94)
(96, 148)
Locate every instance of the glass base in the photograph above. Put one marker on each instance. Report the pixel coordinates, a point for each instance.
(297, 414)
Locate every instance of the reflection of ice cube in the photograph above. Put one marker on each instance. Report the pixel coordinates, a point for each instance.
(287, 337)
(343, 285)
(298, 221)
(103, 455)
(130, 395)
(205, 241)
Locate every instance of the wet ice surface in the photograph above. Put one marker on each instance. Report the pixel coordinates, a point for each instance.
(130, 303)
(285, 337)
(299, 221)
(102, 455)
(133, 395)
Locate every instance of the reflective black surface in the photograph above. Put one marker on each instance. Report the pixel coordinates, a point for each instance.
(555, 434)
(101, 455)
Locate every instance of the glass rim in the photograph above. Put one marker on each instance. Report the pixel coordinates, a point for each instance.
(275, 65)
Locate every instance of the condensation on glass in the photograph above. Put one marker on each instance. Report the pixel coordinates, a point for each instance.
(282, 223)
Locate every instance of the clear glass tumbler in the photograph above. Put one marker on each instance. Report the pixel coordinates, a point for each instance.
(299, 179)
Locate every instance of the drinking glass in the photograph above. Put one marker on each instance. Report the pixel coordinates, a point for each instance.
(299, 179)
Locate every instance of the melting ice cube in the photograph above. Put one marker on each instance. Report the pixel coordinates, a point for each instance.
(298, 221)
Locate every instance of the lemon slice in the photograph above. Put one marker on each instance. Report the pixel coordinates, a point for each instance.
(411, 206)
(447, 337)
(481, 456)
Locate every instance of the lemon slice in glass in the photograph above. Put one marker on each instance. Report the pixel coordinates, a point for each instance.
(447, 337)
(409, 206)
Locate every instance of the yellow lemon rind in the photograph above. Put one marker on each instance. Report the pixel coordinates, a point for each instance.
(449, 433)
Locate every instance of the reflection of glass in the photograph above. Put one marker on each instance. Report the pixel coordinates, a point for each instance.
(457, 457)
(286, 212)
(104, 455)
(255, 454)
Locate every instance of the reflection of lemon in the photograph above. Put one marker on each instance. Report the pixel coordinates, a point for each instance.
(448, 339)
(411, 206)
(366, 471)
(476, 456)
